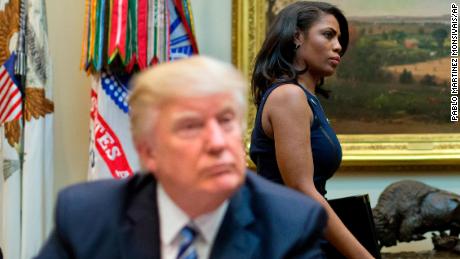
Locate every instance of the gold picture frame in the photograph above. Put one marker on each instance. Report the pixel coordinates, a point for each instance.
(366, 151)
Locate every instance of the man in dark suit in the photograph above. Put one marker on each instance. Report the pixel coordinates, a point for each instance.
(197, 200)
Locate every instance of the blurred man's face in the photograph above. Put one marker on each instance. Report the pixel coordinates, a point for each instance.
(196, 146)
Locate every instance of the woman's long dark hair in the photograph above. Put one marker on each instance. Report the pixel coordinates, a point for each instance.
(274, 62)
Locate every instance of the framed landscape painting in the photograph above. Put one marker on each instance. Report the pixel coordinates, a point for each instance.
(390, 102)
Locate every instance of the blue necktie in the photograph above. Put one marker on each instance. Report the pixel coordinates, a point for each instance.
(186, 248)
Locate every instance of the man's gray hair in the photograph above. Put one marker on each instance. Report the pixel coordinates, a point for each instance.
(191, 77)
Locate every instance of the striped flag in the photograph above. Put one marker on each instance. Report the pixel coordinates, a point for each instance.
(10, 96)
(26, 197)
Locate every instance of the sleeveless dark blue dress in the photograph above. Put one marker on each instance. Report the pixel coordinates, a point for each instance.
(327, 153)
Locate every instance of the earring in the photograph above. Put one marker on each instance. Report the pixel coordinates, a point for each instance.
(296, 46)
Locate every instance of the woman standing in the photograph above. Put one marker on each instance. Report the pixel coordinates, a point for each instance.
(292, 142)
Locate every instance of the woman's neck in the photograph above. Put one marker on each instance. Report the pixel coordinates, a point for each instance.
(308, 81)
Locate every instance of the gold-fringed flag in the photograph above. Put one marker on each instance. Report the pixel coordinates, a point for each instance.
(121, 38)
(130, 35)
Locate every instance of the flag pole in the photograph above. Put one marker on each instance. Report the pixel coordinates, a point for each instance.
(20, 70)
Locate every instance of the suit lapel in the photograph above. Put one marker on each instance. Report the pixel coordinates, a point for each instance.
(140, 233)
(235, 238)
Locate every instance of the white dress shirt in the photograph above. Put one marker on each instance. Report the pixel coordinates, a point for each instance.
(173, 219)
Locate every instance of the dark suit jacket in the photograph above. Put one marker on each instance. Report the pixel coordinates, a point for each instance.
(119, 219)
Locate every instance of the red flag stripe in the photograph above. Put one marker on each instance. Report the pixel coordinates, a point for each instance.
(3, 76)
(15, 107)
(12, 93)
(12, 96)
(18, 115)
(4, 79)
(6, 88)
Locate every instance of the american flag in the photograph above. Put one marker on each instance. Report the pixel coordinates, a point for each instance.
(10, 96)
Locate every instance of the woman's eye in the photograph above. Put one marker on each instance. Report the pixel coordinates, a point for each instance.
(328, 35)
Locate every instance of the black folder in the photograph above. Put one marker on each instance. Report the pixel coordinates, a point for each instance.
(356, 213)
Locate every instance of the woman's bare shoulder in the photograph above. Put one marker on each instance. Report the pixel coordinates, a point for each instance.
(288, 97)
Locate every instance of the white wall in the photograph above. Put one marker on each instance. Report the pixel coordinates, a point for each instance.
(213, 25)
(71, 92)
